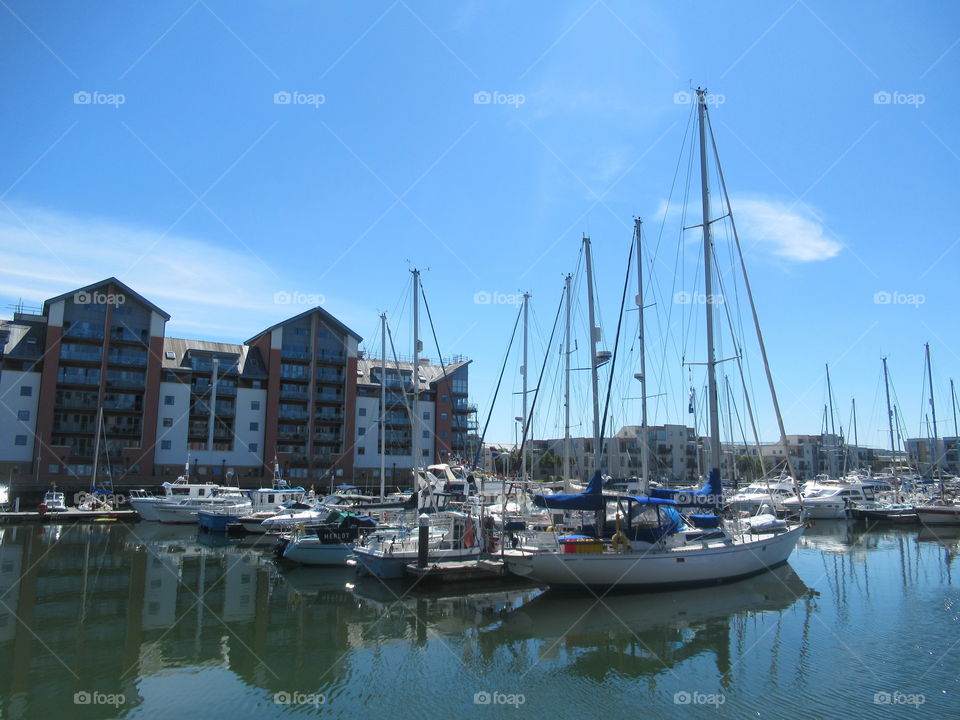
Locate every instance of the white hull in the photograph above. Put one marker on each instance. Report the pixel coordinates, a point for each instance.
(936, 515)
(177, 515)
(657, 569)
(146, 508)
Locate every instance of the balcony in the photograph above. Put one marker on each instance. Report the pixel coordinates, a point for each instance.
(327, 438)
(295, 354)
(122, 334)
(198, 430)
(331, 358)
(302, 395)
(78, 403)
(294, 435)
(328, 418)
(74, 427)
(328, 397)
(128, 430)
(129, 359)
(87, 332)
(71, 379)
(135, 382)
(226, 411)
(329, 377)
(91, 356)
(291, 414)
(286, 374)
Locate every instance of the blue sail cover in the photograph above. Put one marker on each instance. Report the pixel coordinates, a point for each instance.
(590, 499)
(709, 495)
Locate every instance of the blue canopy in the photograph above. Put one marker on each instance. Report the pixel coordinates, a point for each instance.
(710, 494)
(592, 498)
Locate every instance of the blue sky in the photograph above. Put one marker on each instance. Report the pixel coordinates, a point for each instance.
(184, 178)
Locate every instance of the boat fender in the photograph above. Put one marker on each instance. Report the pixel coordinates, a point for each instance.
(620, 542)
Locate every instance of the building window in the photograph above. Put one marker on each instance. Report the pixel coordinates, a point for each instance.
(426, 433)
(165, 445)
(168, 399)
(254, 426)
(168, 422)
(361, 451)
(363, 412)
(254, 404)
(426, 453)
(53, 469)
(443, 434)
(20, 440)
(361, 431)
(256, 384)
(444, 398)
(426, 415)
(26, 390)
(252, 447)
(23, 414)
(443, 416)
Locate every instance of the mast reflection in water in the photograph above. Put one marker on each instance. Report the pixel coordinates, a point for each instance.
(155, 621)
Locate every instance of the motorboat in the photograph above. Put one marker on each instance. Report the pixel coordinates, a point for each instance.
(327, 543)
(184, 512)
(180, 489)
(763, 492)
(53, 501)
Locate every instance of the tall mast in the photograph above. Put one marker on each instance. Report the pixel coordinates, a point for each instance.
(383, 404)
(933, 414)
(953, 401)
(594, 333)
(96, 447)
(856, 442)
(833, 427)
(644, 440)
(893, 444)
(566, 383)
(523, 372)
(415, 405)
(708, 299)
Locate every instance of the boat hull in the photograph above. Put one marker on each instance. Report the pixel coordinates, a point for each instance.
(215, 522)
(392, 566)
(176, 516)
(939, 515)
(311, 551)
(661, 570)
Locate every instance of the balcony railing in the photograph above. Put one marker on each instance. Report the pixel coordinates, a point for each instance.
(72, 427)
(80, 355)
(78, 403)
(132, 359)
(122, 429)
(135, 382)
(70, 379)
(79, 331)
(294, 394)
(329, 377)
(288, 414)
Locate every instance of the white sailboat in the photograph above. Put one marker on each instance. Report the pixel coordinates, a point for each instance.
(655, 546)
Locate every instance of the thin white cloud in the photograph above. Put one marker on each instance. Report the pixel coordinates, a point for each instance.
(783, 230)
(206, 288)
(769, 226)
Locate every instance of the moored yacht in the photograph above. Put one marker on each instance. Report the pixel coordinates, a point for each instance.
(180, 489)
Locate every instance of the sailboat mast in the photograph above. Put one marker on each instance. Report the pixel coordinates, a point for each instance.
(383, 405)
(856, 442)
(833, 428)
(415, 405)
(594, 333)
(96, 447)
(523, 372)
(953, 402)
(644, 440)
(708, 277)
(893, 444)
(566, 381)
(933, 414)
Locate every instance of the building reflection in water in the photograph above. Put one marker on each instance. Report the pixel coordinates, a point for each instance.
(101, 608)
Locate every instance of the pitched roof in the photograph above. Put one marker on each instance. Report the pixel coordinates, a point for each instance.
(249, 364)
(327, 317)
(93, 286)
(431, 374)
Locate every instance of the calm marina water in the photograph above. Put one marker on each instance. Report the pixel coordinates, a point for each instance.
(146, 621)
